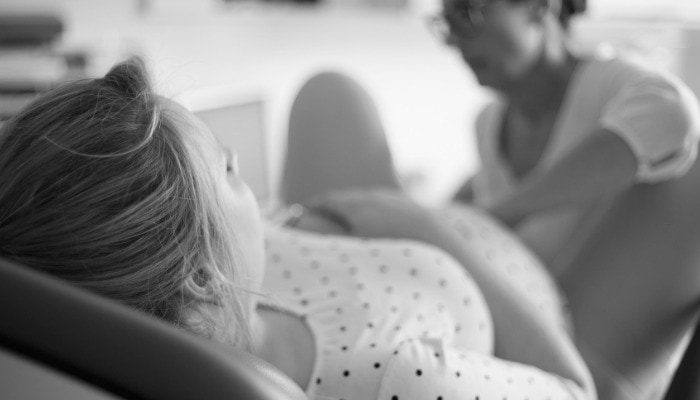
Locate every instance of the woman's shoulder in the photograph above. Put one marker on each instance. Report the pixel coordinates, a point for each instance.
(620, 85)
(626, 82)
(617, 72)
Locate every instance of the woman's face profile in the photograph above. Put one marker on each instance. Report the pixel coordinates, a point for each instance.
(499, 40)
(234, 195)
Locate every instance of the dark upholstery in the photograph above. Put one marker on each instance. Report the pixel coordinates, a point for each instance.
(686, 381)
(121, 350)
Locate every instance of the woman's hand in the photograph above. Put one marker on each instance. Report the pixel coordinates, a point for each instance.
(506, 214)
(378, 213)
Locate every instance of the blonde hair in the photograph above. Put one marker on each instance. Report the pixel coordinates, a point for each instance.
(101, 186)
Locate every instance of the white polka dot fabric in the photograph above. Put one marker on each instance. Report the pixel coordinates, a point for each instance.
(505, 254)
(400, 320)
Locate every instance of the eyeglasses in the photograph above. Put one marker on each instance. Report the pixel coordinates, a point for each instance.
(461, 19)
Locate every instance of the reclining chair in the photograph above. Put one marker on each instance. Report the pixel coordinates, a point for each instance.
(686, 380)
(58, 341)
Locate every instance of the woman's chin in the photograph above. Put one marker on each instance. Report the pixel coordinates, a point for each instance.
(489, 80)
(486, 80)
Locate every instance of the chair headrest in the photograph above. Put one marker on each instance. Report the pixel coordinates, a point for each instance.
(122, 350)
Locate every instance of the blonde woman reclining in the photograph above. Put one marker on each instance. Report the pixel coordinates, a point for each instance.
(107, 185)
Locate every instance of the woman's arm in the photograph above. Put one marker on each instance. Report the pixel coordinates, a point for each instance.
(522, 334)
(602, 165)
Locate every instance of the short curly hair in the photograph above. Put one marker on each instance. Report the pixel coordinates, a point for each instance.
(569, 9)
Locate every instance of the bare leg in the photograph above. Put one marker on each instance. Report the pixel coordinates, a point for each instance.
(335, 141)
(634, 285)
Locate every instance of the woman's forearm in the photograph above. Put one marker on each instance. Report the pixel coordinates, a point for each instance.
(602, 165)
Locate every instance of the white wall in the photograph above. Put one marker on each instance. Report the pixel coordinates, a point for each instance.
(426, 97)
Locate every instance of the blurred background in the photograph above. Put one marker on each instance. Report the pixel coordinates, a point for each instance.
(262, 51)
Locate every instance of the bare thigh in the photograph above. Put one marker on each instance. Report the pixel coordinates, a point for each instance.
(335, 141)
(634, 285)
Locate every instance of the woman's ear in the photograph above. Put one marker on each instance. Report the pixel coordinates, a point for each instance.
(200, 288)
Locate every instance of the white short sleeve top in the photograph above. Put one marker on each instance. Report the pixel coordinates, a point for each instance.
(401, 320)
(654, 113)
(658, 118)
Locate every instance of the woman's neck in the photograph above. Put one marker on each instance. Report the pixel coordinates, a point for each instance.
(542, 89)
(285, 341)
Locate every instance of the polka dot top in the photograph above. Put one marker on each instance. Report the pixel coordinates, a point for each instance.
(399, 320)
